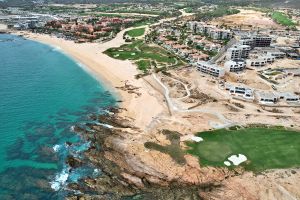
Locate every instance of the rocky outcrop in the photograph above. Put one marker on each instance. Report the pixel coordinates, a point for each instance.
(74, 162)
(128, 168)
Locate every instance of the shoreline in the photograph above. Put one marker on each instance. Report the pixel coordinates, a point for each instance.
(113, 73)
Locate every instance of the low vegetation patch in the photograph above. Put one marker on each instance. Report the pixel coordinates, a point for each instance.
(282, 19)
(218, 12)
(173, 149)
(265, 147)
(136, 32)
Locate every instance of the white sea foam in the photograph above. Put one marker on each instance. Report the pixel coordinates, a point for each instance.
(56, 147)
(60, 180)
(72, 128)
(108, 112)
(105, 125)
(55, 48)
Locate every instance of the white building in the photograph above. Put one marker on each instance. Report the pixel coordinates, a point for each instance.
(210, 69)
(238, 52)
(268, 58)
(235, 65)
(244, 92)
(256, 40)
(289, 97)
(256, 62)
(276, 54)
(267, 97)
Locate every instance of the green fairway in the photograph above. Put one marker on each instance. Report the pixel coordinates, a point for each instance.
(282, 19)
(136, 32)
(265, 148)
(143, 55)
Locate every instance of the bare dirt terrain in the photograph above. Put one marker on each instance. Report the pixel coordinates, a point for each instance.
(247, 19)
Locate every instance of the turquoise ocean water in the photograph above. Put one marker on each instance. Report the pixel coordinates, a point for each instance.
(43, 93)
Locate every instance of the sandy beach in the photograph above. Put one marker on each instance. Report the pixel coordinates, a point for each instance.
(113, 73)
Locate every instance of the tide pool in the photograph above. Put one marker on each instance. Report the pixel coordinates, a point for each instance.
(43, 93)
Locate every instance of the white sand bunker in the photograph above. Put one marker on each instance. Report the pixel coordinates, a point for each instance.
(237, 159)
(197, 139)
(227, 163)
(121, 50)
(117, 55)
(133, 54)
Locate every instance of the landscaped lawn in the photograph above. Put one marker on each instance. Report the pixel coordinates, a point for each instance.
(282, 19)
(265, 148)
(136, 32)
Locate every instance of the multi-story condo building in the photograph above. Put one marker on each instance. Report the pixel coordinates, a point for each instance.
(256, 62)
(210, 69)
(256, 41)
(242, 91)
(238, 52)
(276, 54)
(266, 97)
(235, 65)
(262, 41)
(211, 31)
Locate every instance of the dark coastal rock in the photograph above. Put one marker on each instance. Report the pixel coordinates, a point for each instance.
(74, 162)
(93, 117)
(74, 186)
(69, 143)
(114, 121)
(45, 154)
(78, 129)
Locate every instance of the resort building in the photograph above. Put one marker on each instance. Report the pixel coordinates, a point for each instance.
(289, 97)
(262, 41)
(276, 54)
(266, 97)
(241, 91)
(256, 62)
(238, 52)
(268, 59)
(256, 41)
(210, 69)
(235, 65)
(209, 30)
(247, 41)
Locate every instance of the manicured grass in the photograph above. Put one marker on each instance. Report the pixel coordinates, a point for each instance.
(143, 65)
(265, 148)
(282, 19)
(136, 32)
(138, 50)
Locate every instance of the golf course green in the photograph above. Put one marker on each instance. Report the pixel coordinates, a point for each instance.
(265, 148)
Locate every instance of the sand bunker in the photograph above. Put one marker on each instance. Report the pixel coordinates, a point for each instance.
(236, 160)
(227, 163)
(197, 139)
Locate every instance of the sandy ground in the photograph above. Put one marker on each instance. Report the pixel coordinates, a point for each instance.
(247, 19)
